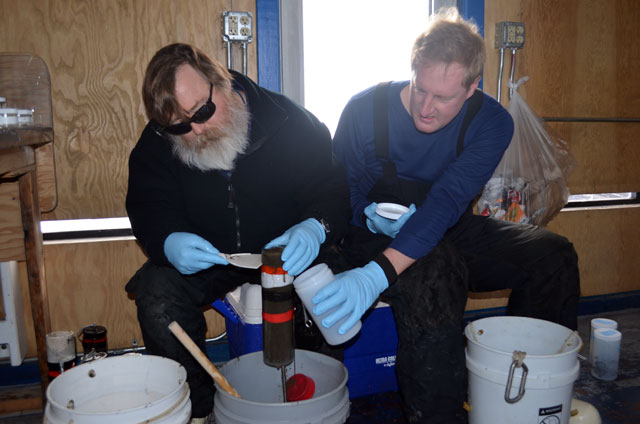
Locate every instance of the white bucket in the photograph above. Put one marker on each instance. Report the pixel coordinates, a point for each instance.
(120, 389)
(260, 387)
(550, 358)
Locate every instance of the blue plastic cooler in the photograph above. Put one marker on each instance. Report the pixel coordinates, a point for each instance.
(370, 357)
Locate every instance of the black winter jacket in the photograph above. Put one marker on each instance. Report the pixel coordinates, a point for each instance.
(286, 175)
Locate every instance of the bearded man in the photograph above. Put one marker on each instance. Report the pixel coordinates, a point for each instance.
(222, 166)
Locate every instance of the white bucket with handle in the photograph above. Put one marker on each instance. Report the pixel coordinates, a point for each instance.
(521, 370)
(124, 389)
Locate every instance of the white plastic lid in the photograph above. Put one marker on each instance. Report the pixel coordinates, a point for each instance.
(604, 323)
(246, 300)
(607, 334)
(9, 111)
(25, 112)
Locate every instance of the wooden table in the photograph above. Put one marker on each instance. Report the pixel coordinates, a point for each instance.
(18, 166)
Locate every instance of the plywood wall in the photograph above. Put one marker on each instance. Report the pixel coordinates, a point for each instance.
(96, 52)
(581, 57)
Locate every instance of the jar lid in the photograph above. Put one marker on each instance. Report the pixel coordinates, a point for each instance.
(604, 323)
(300, 387)
(25, 111)
(607, 334)
(8, 110)
(94, 330)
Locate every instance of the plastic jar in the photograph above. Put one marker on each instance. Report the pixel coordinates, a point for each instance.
(307, 285)
(595, 324)
(606, 354)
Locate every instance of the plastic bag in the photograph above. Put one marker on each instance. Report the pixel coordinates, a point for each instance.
(529, 184)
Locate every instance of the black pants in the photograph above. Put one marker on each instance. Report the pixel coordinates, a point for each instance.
(164, 295)
(428, 301)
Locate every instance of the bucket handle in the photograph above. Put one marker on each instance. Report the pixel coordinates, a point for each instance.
(518, 358)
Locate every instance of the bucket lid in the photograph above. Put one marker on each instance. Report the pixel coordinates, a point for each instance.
(300, 387)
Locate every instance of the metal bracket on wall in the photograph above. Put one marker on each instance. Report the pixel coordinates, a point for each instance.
(509, 35)
(237, 29)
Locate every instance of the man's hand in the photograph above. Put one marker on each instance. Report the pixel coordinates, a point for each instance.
(190, 253)
(380, 225)
(302, 244)
(353, 292)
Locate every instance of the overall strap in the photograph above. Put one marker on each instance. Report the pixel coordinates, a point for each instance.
(475, 102)
(381, 126)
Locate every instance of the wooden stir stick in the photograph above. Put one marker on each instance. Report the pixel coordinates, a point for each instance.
(202, 359)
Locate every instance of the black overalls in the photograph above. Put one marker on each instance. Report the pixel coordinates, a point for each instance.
(429, 298)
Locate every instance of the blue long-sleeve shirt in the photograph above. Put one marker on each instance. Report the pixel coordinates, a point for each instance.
(429, 158)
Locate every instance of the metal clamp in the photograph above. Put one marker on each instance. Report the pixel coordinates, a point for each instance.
(518, 358)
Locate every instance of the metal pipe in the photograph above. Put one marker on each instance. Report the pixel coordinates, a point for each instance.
(228, 54)
(244, 58)
(513, 69)
(500, 69)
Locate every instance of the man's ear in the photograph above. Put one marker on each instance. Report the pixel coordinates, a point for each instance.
(472, 87)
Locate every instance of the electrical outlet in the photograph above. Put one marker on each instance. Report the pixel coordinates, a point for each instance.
(236, 27)
(509, 35)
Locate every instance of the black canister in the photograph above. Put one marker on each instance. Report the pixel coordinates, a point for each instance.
(277, 310)
(94, 337)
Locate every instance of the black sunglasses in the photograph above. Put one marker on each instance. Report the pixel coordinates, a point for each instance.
(202, 115)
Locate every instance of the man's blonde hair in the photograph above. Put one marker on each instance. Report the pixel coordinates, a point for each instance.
(450, 38)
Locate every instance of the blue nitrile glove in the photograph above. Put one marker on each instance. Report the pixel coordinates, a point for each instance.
(302, 244)
(380, 225)
(190, 253)
(354, 291)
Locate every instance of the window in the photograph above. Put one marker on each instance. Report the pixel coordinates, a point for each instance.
(352, 45)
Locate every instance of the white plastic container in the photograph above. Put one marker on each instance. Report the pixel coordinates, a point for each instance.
(599, 323)
(61, 346)
(606, 354)
(307, 285)
(551, 358)
(120, 389)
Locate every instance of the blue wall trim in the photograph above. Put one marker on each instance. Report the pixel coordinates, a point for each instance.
(268, 37)
(473, 9)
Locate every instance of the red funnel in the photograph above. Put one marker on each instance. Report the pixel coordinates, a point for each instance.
(300, 387)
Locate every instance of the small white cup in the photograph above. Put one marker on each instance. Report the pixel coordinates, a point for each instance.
(599, 323)
(606, 354)
(307, 285)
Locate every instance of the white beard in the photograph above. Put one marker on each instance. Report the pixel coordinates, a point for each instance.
(217, 148)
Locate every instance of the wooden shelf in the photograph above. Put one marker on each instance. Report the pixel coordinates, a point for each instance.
(25, 136)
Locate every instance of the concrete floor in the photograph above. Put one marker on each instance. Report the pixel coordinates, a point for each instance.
(618, 402)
